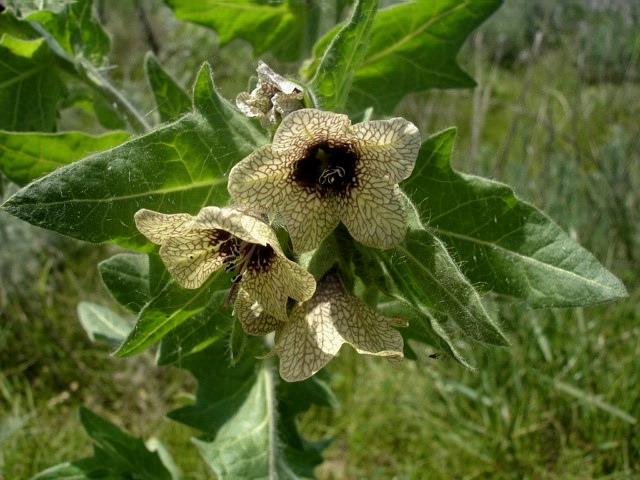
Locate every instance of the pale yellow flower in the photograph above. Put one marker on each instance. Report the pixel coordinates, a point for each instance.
(194, 247)
(317, 329)
(273, 98)
(321, 170)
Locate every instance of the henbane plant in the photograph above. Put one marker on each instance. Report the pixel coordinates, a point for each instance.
(302, 218)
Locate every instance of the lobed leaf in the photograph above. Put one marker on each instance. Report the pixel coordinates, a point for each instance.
(117, 455)
(277, 26)
(334, 74)
(25, 157)
(31, 91)
(421, 272)
(76, 30)
(503, 244)
(178, 167)
(122, 453)
(249, 416)
(413, 47)
(171, 100)
(171, 307)
(74, 41)
(197, 332)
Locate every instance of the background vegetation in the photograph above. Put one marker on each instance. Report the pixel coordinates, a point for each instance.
(555, 115)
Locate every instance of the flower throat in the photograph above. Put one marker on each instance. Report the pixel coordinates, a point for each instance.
(327, 169)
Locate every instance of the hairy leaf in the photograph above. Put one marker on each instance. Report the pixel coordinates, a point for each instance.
(76, 30)
(179, 167)
(117, 455)
(122, 453)
(246, 413)
(413, 47)
(332, 80)
(30, 88)
(427, 328)
(75, 41)
(277, 27)
(171, 100)
(421, 272)
(197, 332)
(172, 306)
(503, 244)
(25, 157)
(102, 323)
(126, 276)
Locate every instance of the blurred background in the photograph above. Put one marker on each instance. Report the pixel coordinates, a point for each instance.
(555, 114)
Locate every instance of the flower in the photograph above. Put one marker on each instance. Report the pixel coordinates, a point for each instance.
(194, 247)
(273, 98)
(317, 329)
(321, 170)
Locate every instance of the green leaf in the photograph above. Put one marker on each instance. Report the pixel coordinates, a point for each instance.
(126, 276)
(421, 272)
(126, 455)
(178, 167)
(503, 244)
(107, 113)
(332, 80)
(79, 470)
(27, 156)
(171, 100)
(166, 311)
(117, 455)
(29, 6)
(30, 88)
(277, 27)
(413, 48)
(70, 51)
(250, 416)
(102, 323)
(222, 388)
(76, 30)
(159, 276)
(197, 332)
(429, 329)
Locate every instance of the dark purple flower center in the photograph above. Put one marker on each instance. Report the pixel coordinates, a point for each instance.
(327, 169)
(240, 256)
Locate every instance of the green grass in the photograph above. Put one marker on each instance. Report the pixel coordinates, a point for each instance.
(559, 404)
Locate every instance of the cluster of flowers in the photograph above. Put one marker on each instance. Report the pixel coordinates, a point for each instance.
(318, 171)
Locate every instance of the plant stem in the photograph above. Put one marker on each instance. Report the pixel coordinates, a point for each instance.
(93, 78)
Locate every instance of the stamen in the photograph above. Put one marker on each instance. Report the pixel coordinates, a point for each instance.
(328, 176)
(230, 295)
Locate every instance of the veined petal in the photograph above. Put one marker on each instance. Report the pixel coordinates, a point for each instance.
(158, 227)
(254, 320)
(238, 223)
(365, 330)
(190, 258)
(257, 181)
(308, 341)
(272, 287)
(300, 284)
(375, 214)
(309, 220)
(317, 329)
(388, 146)
(303, 128)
